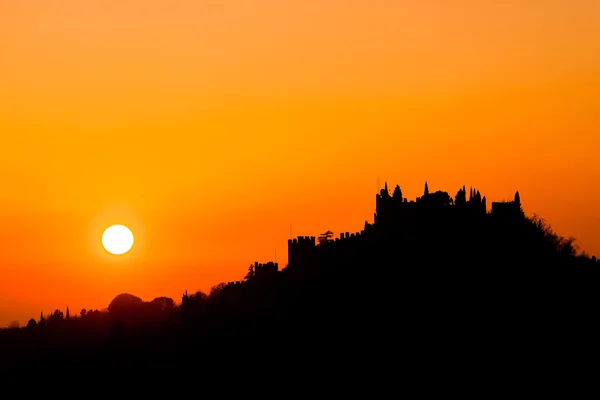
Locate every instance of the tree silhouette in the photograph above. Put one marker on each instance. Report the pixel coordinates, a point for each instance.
(42, 322)
(430, 263)
(325, 237)
(250, 273)
(216, 290)
(124, 302)
(461, 197)
(56, 318)
(164, 303)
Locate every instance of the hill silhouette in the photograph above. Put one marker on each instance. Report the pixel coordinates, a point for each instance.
(439, 277)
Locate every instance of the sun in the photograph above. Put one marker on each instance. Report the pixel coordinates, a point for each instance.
(117, 239)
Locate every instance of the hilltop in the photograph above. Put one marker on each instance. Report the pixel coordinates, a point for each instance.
(429, 271)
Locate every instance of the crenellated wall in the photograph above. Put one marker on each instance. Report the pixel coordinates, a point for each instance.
(265, 269)
(304, 250)
(395, 213)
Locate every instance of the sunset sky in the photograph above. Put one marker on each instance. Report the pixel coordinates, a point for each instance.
(215, 129)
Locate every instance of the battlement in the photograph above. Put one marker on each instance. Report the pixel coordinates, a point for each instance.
(303, 240)
(266, 268)
(232, 284)
(396, 214)
(348, 235)
(305, 250)
(311, 241)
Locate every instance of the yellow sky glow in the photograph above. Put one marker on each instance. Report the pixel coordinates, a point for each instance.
(209, 128)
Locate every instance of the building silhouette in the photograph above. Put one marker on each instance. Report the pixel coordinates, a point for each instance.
(395, 216)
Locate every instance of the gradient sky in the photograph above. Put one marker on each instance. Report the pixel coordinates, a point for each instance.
(211, 128)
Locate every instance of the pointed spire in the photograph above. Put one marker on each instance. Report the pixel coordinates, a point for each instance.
(426, 192)
(384, 193)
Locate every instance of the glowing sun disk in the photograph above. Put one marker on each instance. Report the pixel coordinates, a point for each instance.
(117, 239)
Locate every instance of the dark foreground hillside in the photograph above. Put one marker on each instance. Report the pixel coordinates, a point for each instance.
(440, 281)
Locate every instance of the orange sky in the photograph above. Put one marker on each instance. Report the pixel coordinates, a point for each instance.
(209, 127)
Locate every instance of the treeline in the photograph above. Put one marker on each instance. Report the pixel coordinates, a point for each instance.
(392, 292)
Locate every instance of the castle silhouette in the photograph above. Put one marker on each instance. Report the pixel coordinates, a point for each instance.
(438, 263)
(395, 214)
(397, 219)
